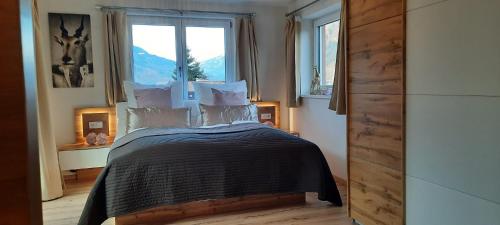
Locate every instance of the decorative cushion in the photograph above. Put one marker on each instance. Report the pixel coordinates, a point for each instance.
(153, 97)
(203, 91)
(157, 118)
(229, 97)
(213, 115)
(148, 91)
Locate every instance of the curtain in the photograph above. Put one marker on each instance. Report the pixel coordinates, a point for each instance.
(117, 58)
(293, 81)
(50, 174)
(338, 102)
(247, 55)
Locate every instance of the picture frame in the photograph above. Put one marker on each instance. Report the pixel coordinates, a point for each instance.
(71, 50)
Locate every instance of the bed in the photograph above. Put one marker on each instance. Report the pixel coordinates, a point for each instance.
(197, 171)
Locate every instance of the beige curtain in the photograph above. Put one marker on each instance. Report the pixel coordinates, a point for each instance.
(247, 55)
(117, 57)
(338, 102)
(293, 81)
(50, 175)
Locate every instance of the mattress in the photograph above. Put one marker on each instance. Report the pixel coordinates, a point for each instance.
(149, 168)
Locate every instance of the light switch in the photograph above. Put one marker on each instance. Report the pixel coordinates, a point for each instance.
(96, 125)
(266, 116)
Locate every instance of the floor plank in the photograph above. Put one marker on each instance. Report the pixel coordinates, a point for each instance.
(67, 210)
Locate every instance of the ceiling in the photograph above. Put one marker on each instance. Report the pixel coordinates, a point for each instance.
(261, 2)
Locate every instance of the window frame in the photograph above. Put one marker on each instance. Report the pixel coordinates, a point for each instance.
(228, 44)
(317, 23)
(180, 23)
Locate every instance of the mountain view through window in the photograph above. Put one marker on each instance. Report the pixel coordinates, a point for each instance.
(329, 34)
(155, 54)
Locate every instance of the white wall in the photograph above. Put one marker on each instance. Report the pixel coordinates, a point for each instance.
(270, 23)
(316, 123)
(453, 108)
(313, 120)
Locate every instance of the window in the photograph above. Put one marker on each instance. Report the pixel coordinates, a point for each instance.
(166, 49)
(154, 56)
(326, 39)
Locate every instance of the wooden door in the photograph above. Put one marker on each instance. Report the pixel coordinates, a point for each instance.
(376, 117)
(19, 179)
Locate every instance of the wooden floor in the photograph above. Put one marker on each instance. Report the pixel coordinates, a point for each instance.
(66, 211)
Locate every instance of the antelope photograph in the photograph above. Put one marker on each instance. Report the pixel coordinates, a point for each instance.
(72, 65)
(250, 112)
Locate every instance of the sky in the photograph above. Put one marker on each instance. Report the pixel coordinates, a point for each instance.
(205, 43)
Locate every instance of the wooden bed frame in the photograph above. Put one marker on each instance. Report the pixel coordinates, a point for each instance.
(172, 213)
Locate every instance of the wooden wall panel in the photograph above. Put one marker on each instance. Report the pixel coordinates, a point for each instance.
(375, 129)
(385, 34)
(376, 192)
(19, 180)
(376, 118)
(376, 60)
(362, 12)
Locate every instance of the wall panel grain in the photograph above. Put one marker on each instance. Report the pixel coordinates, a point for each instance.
(376, 115)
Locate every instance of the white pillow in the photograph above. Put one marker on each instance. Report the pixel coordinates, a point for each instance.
(203, 91)
(244, 121)
(121, 119)
(215, 126)
(176, 92)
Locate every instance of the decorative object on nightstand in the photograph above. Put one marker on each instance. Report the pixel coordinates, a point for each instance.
(101, 139)
(315, 83)
(269, 112)
(91, 138)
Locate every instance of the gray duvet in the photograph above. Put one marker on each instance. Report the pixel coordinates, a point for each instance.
(149, 168)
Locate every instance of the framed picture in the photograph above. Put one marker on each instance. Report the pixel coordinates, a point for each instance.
(71, 51)
(96, 123)
(96, 120)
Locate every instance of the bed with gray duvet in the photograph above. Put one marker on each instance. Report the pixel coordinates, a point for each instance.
(150, 168)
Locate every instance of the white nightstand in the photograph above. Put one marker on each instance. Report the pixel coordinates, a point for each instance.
(82, 156)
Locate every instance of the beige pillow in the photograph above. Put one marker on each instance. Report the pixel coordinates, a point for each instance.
(157, 118)
(213, 115)
(222, 97)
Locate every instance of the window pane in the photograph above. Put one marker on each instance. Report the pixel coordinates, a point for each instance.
(206, 58)
(154, 53)
(329, 34)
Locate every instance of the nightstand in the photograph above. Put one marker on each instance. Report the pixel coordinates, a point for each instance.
(83, 156)
(83, 160)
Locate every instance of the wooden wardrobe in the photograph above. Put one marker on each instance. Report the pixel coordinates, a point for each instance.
(376, 111)
(19, 180)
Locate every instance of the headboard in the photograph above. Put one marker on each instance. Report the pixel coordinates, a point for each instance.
(121, 119)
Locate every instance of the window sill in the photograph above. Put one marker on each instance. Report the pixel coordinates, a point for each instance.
(317, 96)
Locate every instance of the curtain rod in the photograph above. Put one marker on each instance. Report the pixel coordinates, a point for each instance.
(302, 8)
(174, 10)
